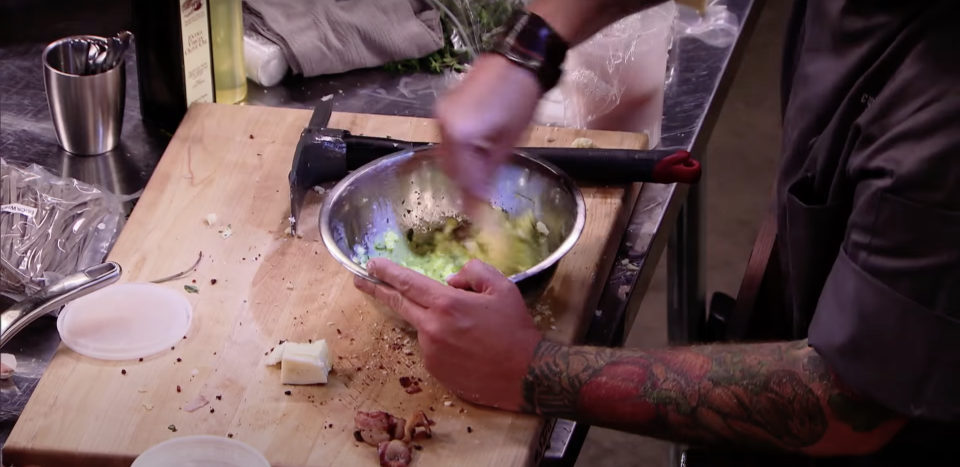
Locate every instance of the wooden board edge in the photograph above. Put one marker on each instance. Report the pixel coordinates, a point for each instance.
(19, 456)
(631, 194)
(540, 444)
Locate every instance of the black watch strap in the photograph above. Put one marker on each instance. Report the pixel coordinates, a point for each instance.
(532, 44)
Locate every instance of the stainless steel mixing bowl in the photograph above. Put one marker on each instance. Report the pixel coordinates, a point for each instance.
(403, 190)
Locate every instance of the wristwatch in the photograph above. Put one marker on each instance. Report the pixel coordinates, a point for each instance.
(532, 44)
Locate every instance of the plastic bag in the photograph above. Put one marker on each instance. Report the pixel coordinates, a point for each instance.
(51, 227)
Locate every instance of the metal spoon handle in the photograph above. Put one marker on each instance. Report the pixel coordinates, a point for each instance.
(71, 287)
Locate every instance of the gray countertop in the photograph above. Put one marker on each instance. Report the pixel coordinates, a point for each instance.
(695, 89)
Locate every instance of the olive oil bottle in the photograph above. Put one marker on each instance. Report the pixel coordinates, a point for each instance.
(226, 26)
(175, 64)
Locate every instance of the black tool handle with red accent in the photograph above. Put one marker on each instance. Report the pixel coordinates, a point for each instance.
(601, 166)
(622, 166)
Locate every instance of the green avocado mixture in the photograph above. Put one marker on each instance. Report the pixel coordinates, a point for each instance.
(440, 250)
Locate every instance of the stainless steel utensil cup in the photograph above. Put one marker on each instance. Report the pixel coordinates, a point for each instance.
(87, 110)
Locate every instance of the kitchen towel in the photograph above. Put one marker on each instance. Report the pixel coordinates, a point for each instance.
(321, 37)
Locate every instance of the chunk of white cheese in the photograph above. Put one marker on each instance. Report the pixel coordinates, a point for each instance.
(276, 355)
(302, 363)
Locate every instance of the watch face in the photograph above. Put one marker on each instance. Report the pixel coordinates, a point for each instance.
(532, 44)
(533, 38)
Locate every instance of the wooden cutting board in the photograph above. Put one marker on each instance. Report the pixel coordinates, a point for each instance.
(233, 161)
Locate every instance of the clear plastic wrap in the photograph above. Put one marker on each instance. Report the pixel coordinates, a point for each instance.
(50, 227)
(716, 25)
(615, 80)
(15, 391)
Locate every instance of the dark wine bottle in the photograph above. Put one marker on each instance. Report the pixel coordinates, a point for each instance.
(174, 58)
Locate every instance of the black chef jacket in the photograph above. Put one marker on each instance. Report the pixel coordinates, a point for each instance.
(869, 205)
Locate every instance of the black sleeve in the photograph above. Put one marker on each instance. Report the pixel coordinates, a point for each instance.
(888, 318)
(792, 43)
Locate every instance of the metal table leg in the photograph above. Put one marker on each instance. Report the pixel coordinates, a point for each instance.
(686, 276)
(685, 273)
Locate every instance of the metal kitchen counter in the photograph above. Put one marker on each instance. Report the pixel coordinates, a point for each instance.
(698, 78)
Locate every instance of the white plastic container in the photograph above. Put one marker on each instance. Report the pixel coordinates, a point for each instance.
(201, 451)
(264, 60)
(125, 321)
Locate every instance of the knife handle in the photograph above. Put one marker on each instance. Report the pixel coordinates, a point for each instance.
(622, 166)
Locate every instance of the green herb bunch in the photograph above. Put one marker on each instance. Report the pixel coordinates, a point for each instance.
(470, 27)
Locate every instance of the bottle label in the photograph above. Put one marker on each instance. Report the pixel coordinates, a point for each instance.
(197, 56)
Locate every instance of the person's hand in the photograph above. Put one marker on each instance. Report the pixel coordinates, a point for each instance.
(482, 119)
(476, 336)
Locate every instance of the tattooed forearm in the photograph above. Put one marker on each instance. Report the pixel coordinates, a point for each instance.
(778, 395)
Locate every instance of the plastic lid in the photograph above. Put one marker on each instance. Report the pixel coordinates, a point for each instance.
(201, 451)
(125, 321)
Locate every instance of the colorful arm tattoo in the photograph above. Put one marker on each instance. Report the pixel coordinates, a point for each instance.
(776, 395)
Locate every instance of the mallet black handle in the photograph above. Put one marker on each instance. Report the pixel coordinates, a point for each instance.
(621, 166)
(605, 166)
